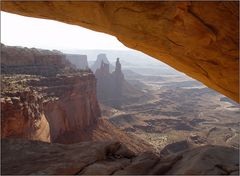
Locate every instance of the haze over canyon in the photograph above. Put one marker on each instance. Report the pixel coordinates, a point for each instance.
(79, 102)
(126, 110)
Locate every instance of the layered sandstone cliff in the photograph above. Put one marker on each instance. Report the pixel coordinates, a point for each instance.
(22, 116)
(71, 103)
(23, 60)
(47, 102)
(66, 102)
(22, 56)
(198, 38)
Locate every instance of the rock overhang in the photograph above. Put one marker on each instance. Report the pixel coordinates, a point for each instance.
(200, 39)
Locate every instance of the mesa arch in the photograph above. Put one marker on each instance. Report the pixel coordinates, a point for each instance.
(200, 39)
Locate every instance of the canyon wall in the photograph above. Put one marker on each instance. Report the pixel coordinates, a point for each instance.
(71, 104)
(198, 38)
(43, 106)
(23, 60)
(23, 56)
(22, 116)
(57, 108)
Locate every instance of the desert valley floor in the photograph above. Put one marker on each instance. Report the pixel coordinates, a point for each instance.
(179, 109)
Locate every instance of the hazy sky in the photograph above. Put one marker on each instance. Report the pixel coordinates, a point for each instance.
(18, 30)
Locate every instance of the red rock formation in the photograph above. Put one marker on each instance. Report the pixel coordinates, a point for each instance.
(22, 116)
(68, 96)
(73, 105)
(68, 102)
(19, 60)
(23, 56)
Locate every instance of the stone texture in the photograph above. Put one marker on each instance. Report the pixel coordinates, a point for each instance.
(106, 131)
(72, 104)
(52, 159)
(22, 116)
(198, 38)
(207, 160)
(175, 148)
(140, 165)
(96, 158)
(68, 101)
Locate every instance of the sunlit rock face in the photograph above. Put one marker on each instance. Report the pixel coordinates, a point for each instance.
(72, 105)
(48, 108)
(198, 38)
(43, 98)
(22, 116)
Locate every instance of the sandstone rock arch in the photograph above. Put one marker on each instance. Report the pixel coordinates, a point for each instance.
(200, 39)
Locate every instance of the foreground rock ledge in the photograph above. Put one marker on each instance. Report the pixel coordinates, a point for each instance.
(21, 156)
(198, 38)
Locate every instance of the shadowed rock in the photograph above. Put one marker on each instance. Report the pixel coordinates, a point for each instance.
(32, 157)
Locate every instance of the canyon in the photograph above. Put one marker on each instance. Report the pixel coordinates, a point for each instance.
(57, 117)
(57, 85)
(60, 117)
(55, 104)
(180, 110)
(22, 116)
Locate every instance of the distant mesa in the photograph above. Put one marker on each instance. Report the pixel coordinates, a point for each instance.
(23, 60)
(80, 61)
(22, 56)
